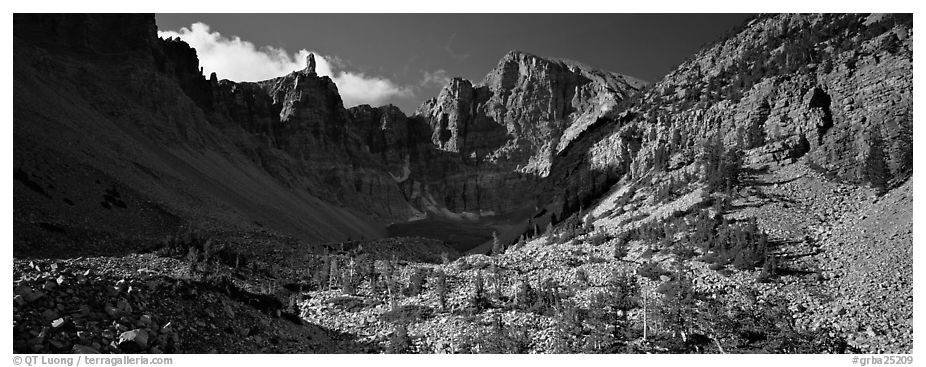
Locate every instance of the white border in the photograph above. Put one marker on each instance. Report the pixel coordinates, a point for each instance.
(475, 6)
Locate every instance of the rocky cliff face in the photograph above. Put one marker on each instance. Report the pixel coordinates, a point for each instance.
(135, 142)
(835, 90)
(297, 128)
(536, 132)
(840, 84)
(378, 159)
(525, 110)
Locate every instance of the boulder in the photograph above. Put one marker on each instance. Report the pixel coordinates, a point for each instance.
(133, 341)
(60, 323)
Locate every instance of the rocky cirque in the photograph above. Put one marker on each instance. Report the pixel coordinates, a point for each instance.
(122, 142)
(353, 171)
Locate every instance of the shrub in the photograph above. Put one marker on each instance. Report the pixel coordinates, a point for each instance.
(560, 342)
(503, 339)
(573, 262)
(652, 271)
(348, 303)
(648, 253)
(399, 341)
(200, 252)
(548, 296)
(525, 296)
(581, 276)
(620, 249)
(478, 300)
(600, 340)
(416, 282)
(741, 244)
(363, 267)
(181, 242)
(598, 239)
(407, 313)
(568, 324)
(763, 277)
(771, 265)
(478, 262)
(684, 252)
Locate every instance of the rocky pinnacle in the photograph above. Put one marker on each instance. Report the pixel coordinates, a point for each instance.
(310, 64)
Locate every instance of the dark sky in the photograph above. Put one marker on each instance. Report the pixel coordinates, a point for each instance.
(402, 47)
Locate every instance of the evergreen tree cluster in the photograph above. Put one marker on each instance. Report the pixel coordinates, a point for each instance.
(741, 244)
(722, 167)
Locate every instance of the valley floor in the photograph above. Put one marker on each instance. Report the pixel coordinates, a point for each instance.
(844, 285)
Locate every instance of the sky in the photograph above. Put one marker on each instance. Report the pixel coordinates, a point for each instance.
(405, 59)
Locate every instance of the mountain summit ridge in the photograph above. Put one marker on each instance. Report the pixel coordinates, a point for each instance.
(756, 199)
(526, 109)
(499, 148)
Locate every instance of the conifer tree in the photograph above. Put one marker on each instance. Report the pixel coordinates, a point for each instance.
(525, 296)
(334, 273)
(391, 284)
(478, 301)
(416, 282)
(322, 272)
(399, 342)
(679, 302)
(620, 248)
(440, 284)
(496, 280)
(497, 247)
(874, 166)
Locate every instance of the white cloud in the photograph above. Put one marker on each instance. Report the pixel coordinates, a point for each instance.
(240, 60)
(439, 78)
(460, 57)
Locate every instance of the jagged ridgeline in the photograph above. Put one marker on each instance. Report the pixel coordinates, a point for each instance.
(756, 199)
(283, 154)
(537, 138)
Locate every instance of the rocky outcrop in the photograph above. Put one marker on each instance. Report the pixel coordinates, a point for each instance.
(312, 118)
(178, 59)
(432, 180)
(525, 110)
(103, 106)
(310, 65)
(828, 96)
(835, 90)
(374, 158)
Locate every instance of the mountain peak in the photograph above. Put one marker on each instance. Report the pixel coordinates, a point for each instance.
(524, 110)
(517, 54)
